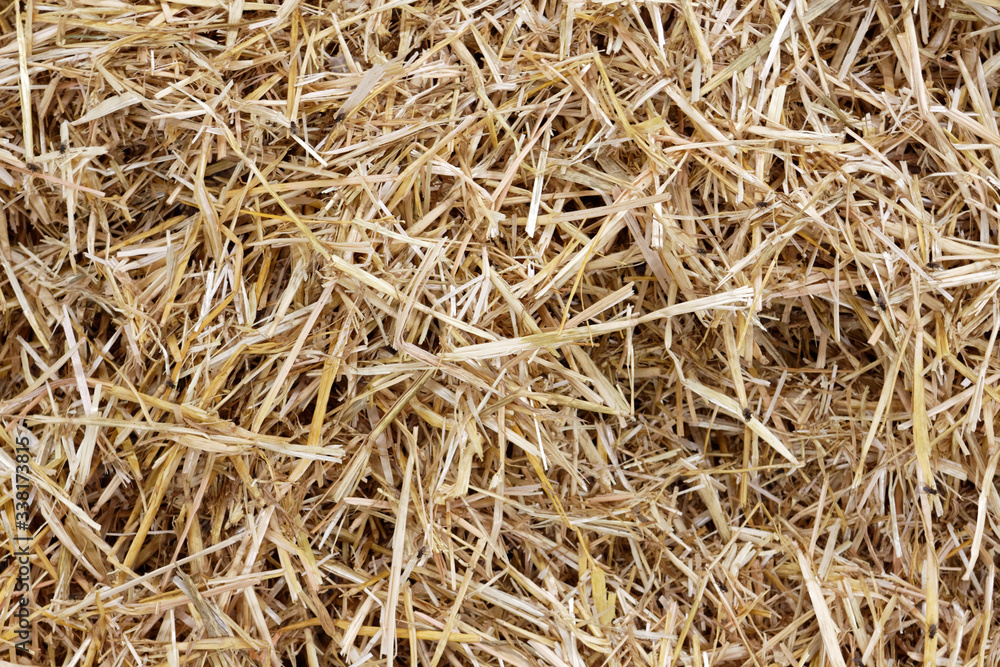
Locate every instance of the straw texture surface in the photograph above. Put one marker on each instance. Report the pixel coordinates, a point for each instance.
(519, 333)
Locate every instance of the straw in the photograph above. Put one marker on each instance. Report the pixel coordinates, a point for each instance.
(508, 333)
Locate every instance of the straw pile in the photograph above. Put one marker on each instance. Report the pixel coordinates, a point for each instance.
(515, 333)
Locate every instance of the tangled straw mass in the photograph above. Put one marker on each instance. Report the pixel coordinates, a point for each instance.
(517, 333)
